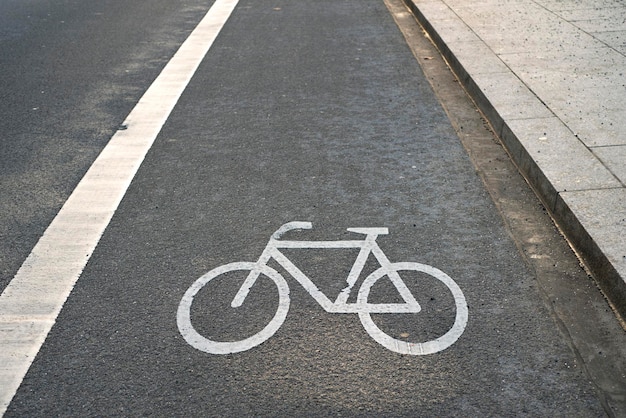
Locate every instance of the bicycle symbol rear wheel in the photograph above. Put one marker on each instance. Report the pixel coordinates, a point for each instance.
(196, 340)
(405, 347)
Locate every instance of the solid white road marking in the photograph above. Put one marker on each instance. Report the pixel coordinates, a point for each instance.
(32, 301)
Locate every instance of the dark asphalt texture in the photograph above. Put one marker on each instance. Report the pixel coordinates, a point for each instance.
(309, 111)
(70, 73)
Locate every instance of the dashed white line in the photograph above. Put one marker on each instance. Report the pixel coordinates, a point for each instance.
(32, 301)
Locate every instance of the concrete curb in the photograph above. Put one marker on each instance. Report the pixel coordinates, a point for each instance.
(579, 191)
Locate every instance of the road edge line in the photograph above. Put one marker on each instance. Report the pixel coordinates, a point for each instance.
(31, 302)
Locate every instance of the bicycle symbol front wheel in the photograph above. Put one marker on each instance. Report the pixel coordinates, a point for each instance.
(198, 341)
(415, 348)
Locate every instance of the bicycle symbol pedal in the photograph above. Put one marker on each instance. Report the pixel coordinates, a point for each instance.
(362, 307)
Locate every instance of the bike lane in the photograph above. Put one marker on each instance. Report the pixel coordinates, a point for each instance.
(318, 112)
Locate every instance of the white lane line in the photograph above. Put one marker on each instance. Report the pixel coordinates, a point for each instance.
(32, 301)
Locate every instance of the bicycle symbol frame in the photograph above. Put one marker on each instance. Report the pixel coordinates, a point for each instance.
(362, 307)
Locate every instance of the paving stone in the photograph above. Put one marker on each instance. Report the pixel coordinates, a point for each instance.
(510, 96)
(563, 161)
(453, 30)
(614, 13)
(615, 22)
(467, 51)
(602, 218)
(549, 76)
(559, 5)
(615, 159)
(595, 62)
(521, 28)
(595, 126)
(437, 10)
(615, 40)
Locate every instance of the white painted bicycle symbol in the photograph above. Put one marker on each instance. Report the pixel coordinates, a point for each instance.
(362, 307)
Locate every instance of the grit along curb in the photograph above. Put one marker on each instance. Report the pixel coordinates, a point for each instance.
(586, 200)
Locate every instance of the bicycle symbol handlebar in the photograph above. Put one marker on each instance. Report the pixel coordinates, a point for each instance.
(367, 246)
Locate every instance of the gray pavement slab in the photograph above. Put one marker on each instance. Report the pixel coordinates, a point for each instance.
(549, 76)
(613, 158)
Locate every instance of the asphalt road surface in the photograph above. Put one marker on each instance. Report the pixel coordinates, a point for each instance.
(315, 112)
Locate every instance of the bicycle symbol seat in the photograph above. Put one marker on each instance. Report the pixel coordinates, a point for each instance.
(362, 307)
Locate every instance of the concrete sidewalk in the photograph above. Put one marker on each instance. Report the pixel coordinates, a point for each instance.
(550, 75)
